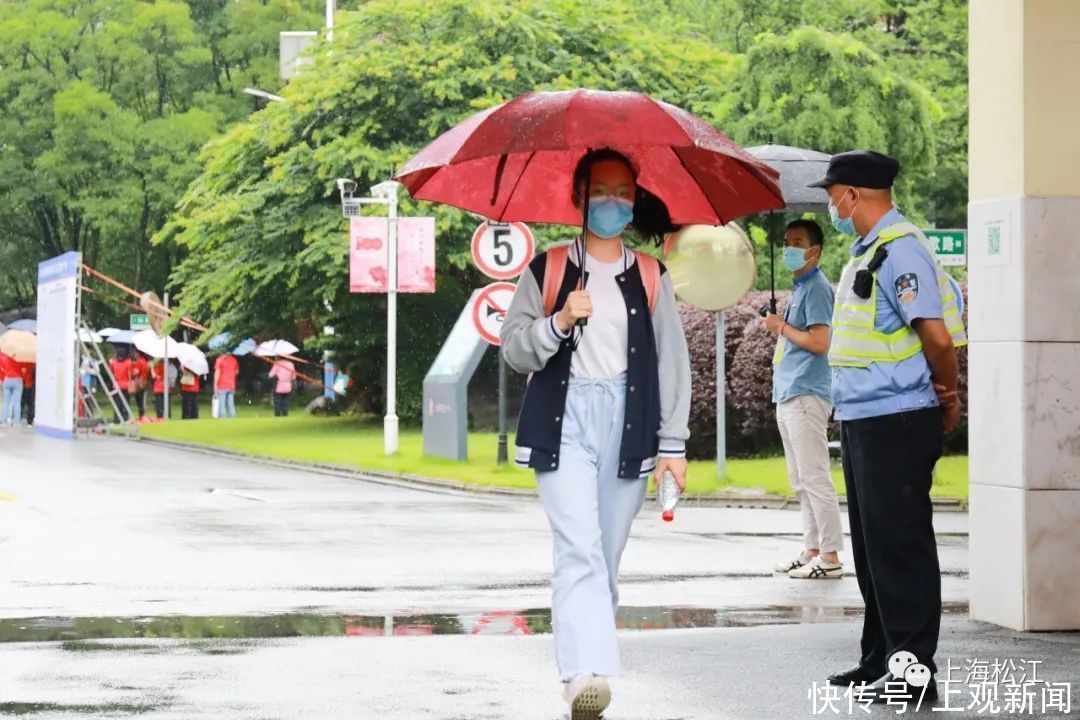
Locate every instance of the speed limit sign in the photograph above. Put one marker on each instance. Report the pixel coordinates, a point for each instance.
(502, 251)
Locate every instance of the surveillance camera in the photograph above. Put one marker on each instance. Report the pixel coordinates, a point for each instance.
(346, 187)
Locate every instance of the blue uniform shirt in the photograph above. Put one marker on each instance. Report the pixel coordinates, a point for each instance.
(907, 290)
(801, 372)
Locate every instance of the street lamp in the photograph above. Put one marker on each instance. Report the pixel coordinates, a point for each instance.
(262, 94)
(385, 193)
(388, 192)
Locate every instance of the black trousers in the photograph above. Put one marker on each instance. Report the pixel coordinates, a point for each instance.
(888, 469)
(281, 404)
(119, 414)
(28, 405)
(159, 404)
(189, 406)
(138, 400)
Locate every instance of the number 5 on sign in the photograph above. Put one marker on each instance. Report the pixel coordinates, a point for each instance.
(502, 251)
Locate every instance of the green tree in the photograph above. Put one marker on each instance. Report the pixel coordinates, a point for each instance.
(830, 92)
(265, 242)
(921, 40)
(105, 104)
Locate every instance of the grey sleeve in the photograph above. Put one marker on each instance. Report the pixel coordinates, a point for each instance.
(673, 359)
(529, 338)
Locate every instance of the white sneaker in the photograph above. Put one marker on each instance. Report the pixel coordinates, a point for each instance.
(588, 696)
(800, 561)
(818, 569)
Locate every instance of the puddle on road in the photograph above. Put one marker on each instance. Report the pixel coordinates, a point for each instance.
(78, 634)
(34, 708)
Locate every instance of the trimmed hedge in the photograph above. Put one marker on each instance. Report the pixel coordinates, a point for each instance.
(748, 351)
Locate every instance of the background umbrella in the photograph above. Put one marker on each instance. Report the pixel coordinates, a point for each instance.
(246, 347)
(124, 337)
(154, 345)
(220, 341)
(19, 344)
(797, 167)
(276, 347)
(26, 324)
(89, 336)
(192, 358)
(108, 332)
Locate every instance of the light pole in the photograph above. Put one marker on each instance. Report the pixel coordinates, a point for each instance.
(385, 193)
(388, 193)
(329, 19)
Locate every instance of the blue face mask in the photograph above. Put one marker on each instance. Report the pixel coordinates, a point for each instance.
(609, 215)
(794, 258)
(842, 225)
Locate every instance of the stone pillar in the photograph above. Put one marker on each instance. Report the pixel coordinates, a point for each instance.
(1024, 282)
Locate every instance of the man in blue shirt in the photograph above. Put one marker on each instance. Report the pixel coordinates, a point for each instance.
(895, 330)
(802, 391)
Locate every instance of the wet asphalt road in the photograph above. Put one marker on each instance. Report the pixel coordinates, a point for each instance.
(284, 593)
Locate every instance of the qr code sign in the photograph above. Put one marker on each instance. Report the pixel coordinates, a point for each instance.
(993, 239)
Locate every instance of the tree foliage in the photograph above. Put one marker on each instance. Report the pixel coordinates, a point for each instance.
(103, 107)
(265, 241)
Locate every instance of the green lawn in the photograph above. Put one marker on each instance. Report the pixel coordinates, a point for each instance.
(349, 441)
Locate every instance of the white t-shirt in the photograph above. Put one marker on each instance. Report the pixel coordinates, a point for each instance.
(601, 354)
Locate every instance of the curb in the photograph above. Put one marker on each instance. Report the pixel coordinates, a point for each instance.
(747, 500)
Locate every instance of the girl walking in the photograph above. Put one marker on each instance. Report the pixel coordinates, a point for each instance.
(607, 406)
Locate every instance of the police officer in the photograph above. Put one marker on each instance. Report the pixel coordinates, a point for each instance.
(896, 326)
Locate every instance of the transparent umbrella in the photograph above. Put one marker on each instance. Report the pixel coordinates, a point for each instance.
(147, 341)
(192, 358)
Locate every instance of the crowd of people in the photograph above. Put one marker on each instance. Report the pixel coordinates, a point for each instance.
(136, 373)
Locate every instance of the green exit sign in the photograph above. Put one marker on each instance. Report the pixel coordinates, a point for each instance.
(140, 321)
(950, 245)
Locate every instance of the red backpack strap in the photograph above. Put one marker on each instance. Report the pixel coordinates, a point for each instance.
(554, 272)
(649, 267)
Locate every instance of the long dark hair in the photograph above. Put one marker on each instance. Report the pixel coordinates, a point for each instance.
(651, 218)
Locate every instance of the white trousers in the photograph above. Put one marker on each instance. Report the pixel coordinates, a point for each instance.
(803, 423)
(590, 510)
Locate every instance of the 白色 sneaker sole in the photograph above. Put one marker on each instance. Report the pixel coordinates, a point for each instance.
(814, 571)
(590, 703)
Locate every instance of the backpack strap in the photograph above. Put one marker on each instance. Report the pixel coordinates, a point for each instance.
(554, 271)
(649, 267)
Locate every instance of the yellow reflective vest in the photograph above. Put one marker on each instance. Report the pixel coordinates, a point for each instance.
(855, 341)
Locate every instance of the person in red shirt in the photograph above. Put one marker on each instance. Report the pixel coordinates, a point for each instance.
(159, 388)
(28, 369)
(189, 394)
(11, 413)
(140, 376)
(226, 368)
(120, 367)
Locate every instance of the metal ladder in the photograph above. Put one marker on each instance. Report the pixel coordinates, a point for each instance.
(117, 399)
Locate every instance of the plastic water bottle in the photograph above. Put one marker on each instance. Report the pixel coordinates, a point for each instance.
(668, 495)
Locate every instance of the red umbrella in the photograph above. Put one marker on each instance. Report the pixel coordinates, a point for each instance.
(515, 162)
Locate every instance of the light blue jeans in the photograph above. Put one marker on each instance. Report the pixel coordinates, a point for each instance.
(590, 509)
(226, 404)
(12, 406)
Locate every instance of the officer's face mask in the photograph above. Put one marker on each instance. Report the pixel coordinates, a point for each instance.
(843, 225)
